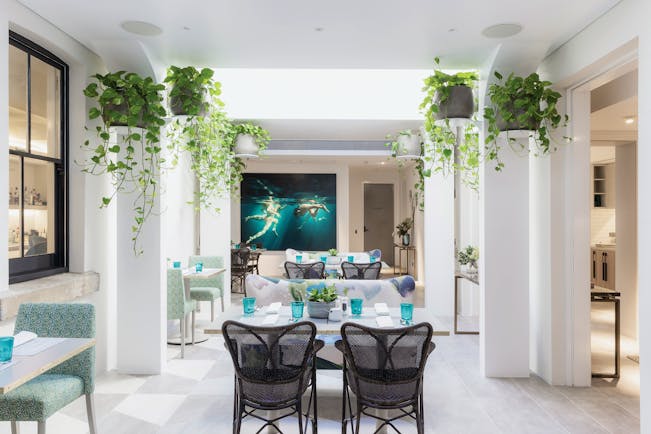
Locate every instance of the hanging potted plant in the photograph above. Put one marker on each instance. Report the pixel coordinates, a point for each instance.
(191, 91)
(134, 102)
(203, 132)
(250, 139)
(522, 103)
(403, 230)
(449, 96)
(405, 144)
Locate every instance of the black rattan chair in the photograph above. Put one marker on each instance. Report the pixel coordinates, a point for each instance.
(383, 368)
(313, 270)
(239, 267)
(274, 367)
(366, 271)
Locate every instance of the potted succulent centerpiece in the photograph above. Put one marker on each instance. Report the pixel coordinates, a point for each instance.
(468, 258)
(332, 258)
(320, 301)
(403, 230)
(134, 162)
(521, 103)
(449, 147)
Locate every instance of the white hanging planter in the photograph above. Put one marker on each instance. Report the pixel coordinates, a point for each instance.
(409, 146)
(246, 146)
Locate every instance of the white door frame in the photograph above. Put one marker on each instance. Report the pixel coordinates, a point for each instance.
(576, 211)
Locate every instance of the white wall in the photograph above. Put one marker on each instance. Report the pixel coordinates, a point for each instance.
(4, 150)
(617, 36)
(626, 255)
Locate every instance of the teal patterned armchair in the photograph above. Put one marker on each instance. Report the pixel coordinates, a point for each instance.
(208, 289)
(41, 397)
(178, 305)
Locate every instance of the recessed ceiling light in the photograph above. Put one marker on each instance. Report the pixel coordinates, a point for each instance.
(141, 28)
(382, 163)
(186, 28)
(629, 120)
(319, 29)
(504, 30)
(452, 30)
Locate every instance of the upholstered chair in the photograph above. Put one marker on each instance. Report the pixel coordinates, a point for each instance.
(208, 289)
(178, 305)
(41, 397)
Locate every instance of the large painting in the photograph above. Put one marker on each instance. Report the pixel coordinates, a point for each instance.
(282, 211)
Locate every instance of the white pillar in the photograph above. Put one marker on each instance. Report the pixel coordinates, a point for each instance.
(504, 267)
(438, 225)
(215, 239)
(4, 151)
(141, 295)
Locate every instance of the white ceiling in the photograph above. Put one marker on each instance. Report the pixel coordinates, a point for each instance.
(612, 117)
(356, 34)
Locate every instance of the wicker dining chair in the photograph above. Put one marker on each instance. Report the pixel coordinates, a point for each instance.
(312, 270)
(384, 368)
(361, 271)
(274, 367)
(239, 267)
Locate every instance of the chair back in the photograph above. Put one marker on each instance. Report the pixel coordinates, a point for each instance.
(386, 365)
(175, 294)
(63, 320)
(313, 270)
(208, 262)
(240, 260)
(272, 364)
(367, 271)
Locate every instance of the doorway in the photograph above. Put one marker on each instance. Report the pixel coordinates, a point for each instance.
(378, 219)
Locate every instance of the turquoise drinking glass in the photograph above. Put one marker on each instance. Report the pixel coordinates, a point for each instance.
(351, 258)
(372, 259)
(297, 310)
(323, 259)
(198, 267)
(299, 259)
(254, 247)
(6, 348)
(176, 264)
(406, 313)
(248, 306)
(356, 306)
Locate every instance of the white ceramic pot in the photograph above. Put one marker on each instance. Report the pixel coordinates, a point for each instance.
(245, 145)
(409, 144)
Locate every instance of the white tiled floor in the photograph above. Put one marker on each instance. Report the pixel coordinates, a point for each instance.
(194, 396)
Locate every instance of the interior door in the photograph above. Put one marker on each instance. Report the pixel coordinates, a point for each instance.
(378, 219)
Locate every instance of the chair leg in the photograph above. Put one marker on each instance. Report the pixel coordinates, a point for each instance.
(183, 337)
(90, 410)
(193, 320)
(315, 418)
(299, 408)
(41, 427)
(15, 428)
(212, 310)
(359, 417)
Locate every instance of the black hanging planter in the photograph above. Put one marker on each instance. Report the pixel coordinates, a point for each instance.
(123, 110)
(514, 124)
(459, 103)
(176, 103)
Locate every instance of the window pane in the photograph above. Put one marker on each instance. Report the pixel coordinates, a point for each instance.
(38, 200)
(17, 99)
(46, 108)
(14, 207)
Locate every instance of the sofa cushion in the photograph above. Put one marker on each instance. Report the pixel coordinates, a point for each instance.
(392, 291)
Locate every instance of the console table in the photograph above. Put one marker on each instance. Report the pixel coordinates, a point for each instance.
(406, 249)
(605, 295)
(472, 277)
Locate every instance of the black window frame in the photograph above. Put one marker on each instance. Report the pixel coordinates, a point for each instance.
(33, 267)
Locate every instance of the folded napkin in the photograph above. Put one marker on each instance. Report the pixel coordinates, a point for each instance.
(381, 309)
(273, 308)
(24, 337)
(384, 321)
(270, 319)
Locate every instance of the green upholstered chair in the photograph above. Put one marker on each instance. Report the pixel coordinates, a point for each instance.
(208, 289)
(178, 305)
(46, 394)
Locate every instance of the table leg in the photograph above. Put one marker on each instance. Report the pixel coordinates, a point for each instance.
(617, 337)
(456, 298)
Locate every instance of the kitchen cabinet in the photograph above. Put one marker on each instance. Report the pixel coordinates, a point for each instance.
(603, 185)
(603, 268)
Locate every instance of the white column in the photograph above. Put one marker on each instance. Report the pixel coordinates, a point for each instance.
(215, 239)
(141, 295)
(4, 151)
(504, 267)
(439, 244)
